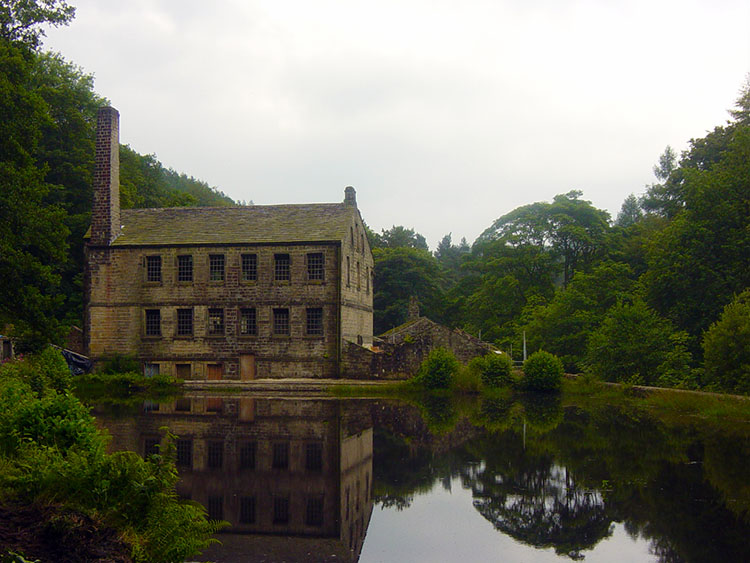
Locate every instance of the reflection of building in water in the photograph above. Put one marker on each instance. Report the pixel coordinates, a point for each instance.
(270, 468)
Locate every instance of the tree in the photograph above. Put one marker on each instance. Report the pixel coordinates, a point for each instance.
(630, 212)
(635, 344)
(32, 232)
(726, 346)
(401, 237)
(401, 273)
(563, 325)
(21, 20)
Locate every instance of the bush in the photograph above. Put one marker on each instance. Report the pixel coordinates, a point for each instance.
(726, 347)
(496, 370)
(542, 372)
(436, 371)
(119, 363)
(44, 371)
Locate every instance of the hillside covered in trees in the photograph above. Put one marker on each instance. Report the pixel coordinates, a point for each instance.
(47, 123)
(660, 295)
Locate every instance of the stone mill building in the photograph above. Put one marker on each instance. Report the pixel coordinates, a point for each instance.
(225, 293)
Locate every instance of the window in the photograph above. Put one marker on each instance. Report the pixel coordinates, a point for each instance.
(314, 457)
(153, 268)
(183, 371)
(362, 243)
(150, 447)
(214, 404)
(215, 507)
(183, 403)
(184, 452)
(153, 322)
(248, 322)
(215, 322)
(216, 267)
(348, 271)
(359, 277)
(185, 268)
(281, 267)
(281, 510)
(281, 321)
(247, 455)
(247, 510)
(315, 321)
(280, 456)
(367, 279)
(150, 370)
(184, 322)
(249, 267)
(215, 458)
(315, 266)
(314, 511)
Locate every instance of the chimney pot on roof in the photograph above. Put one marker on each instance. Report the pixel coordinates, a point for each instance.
(350, 196)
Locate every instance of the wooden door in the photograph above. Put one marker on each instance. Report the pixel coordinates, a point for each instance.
(247, 367)
(215, 371)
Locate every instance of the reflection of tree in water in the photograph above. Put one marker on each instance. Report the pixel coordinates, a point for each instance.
(540, 505)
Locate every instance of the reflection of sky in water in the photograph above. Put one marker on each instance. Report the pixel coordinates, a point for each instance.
(444, 526)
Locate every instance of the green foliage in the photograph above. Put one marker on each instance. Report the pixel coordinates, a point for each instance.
(52, 452)
(633, 341)
(437, 369)
(563, 325)
(397, 237)
(542, 371)
(726, 346)
(20, 20)
(119, 363)
(41, 372)
(401, 273)
(497, 370)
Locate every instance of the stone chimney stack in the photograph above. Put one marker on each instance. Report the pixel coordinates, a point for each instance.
(105, 216)
(350, 196)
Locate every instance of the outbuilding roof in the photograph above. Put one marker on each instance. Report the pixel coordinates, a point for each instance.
(254, 224)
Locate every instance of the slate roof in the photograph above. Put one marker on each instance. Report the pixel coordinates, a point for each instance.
(254, 224)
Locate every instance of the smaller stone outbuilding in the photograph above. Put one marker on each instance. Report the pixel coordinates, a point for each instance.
(398, 353)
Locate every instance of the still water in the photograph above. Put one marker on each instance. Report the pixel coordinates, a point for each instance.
(493, 480)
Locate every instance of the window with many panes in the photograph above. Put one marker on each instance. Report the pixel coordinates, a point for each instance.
(215, 454)
(313, 457)
(153, 268)
(282, 270)
(314, 511)
(184, 322)
(249, 267)
(281, 321)
(281, 510)
(153, 322)
(215, 322)
(280, 458)
(150, 447)
(248, 322)
(247, 510)
(315, 266)
(216, 267)
(247, 455)
(315, 321)
(215, 507)
(185, 268)
(184, 449)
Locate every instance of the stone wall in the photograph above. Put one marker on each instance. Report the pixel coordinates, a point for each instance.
(120, 294)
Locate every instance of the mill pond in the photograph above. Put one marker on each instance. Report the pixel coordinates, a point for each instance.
(485, 479)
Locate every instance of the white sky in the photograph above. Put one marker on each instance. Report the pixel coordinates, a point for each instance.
(444, 115)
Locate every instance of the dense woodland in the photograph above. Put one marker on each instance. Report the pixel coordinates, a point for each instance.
(657, 295)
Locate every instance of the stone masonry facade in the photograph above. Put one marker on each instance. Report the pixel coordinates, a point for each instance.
(224, 293)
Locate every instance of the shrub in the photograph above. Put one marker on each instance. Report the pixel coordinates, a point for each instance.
(726, 347)
(436, 371)
(496, 370)
(542, 372)
(119, 363)
(43, 371)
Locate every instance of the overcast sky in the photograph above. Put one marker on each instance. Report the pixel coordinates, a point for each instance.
(444, 115)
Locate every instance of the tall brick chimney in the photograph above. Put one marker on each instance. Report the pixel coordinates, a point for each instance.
(105, 215)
